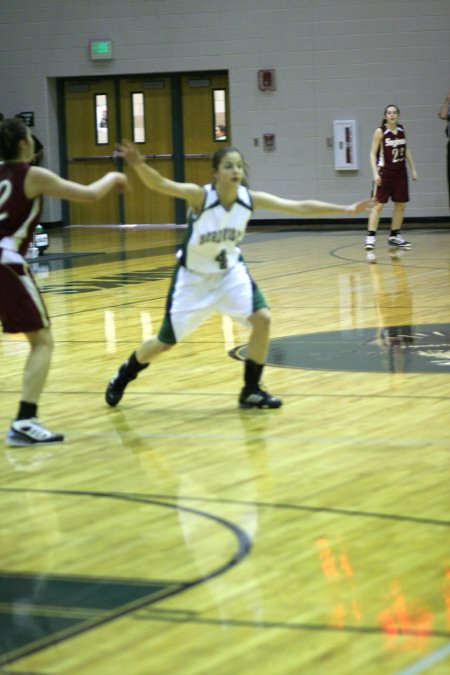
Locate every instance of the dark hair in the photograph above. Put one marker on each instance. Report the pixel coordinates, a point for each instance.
(12, 131)
(220, 154)
(391, 105)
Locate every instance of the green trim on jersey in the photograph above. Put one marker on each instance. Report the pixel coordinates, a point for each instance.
(187, 236)
(166, 333)
(259, 301)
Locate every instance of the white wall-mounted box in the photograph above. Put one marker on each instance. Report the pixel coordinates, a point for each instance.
(345, 143)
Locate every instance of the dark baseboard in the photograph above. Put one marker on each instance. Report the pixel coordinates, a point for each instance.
(321, 224)
(52, 225)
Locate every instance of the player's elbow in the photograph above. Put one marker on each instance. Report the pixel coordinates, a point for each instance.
(90, 194)
(88, 198)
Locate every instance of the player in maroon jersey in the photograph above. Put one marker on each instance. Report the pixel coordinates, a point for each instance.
(22, 309)
(389, 154)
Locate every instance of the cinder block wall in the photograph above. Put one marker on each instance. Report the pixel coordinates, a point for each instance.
(334, 59)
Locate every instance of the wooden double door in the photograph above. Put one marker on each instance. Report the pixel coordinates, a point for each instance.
(174, 119)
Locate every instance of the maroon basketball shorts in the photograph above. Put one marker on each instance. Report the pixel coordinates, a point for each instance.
(22, 309)
(394, 185)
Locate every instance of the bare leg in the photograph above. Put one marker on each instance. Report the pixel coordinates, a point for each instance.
(258, 345)
(374, 217)
(151, 349)
(397, 216)
(26, 429)
(252, 396)
(37, 364)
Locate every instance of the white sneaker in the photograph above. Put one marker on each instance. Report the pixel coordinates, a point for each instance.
(30, 432)
(398, 242)
(370, 242)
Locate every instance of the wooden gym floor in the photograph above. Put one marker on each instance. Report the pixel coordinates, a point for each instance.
(176, 534)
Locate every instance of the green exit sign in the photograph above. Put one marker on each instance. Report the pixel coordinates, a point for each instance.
(101, 50)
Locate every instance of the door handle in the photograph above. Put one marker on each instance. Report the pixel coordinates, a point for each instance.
(91, 158)
(198, 155)
(163, 156)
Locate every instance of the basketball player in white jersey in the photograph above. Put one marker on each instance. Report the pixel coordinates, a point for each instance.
(211, 275)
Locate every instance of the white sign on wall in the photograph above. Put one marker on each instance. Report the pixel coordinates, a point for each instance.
(345, 143)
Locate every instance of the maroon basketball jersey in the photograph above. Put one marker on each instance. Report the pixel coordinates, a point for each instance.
(392, 154)
(18, 214)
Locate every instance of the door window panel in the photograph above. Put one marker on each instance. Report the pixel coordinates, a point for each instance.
(101, 119)
(219, 115)
(138, 117)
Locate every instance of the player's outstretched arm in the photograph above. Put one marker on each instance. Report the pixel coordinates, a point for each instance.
(40, 181)
(308, 207)
(192, 193)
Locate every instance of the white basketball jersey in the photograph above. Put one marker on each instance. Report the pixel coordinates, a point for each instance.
(212, 240)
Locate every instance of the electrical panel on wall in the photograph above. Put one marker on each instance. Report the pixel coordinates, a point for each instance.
(345, 143)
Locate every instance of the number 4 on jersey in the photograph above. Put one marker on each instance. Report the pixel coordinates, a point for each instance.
(222, 260)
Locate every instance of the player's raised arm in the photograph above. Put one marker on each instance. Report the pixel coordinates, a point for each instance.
(308, 207)
(40, 181)
(192, 193)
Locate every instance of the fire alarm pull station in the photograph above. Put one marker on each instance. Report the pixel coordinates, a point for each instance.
(266, 80)
(269, 141)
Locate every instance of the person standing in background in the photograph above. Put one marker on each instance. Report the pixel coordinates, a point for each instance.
(444, 114)
(389, 154)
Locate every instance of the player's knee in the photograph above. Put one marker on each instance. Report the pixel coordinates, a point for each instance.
(159, 347)
(41, 339)
(261, 319)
